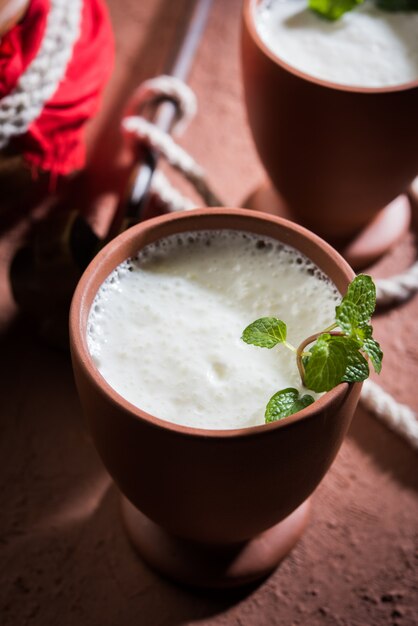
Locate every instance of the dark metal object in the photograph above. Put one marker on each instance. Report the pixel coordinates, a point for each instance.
(179, 65)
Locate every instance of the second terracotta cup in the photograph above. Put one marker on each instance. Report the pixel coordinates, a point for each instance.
(336, 154)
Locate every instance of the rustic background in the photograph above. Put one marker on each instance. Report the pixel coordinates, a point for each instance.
(64, 556)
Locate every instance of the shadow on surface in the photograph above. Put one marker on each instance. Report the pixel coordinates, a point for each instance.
(63, 548)
(390, 452)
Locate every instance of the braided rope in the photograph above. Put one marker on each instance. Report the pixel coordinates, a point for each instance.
(176, 156)
(172, 199)
(159, 141)
(40, 80)
(398, 417)
(397, 288)
(154, 89)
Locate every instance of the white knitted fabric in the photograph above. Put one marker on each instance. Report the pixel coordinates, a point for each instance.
(42, 77)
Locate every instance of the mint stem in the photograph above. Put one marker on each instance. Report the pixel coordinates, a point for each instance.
(329, 328)
(289, 346)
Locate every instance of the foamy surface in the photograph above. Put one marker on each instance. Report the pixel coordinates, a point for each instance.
(165, 328)
(367, 47)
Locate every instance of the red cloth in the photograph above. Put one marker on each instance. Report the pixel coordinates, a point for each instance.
(54, 141)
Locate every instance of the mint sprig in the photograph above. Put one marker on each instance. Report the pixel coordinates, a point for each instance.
(340, 353)
(265, 332)
(334, 9)
(285, 403)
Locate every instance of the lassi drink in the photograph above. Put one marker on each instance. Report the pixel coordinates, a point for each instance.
(165, 327)
(367, 47)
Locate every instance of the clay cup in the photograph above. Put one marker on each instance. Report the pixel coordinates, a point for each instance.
(337, 155)
(210, 507)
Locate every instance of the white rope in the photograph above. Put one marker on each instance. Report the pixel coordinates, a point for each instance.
(159, 141)
(172, 198)
(398, 417)
(397, 288)
(176, 156)
(155, 89)
(40, 80)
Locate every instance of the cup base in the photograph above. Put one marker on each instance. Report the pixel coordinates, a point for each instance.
(377, 238)
(209, 565)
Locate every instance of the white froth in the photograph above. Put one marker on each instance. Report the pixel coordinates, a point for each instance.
(165, 328)
(366, 47)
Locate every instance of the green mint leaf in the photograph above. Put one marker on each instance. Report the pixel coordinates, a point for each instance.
(285, 403)
(398, 5)
(363, 333)
(362, 293)
(265, 332)
(327, 364)
(357, 367)
(333, 9)
(374, 351)
(348, 317)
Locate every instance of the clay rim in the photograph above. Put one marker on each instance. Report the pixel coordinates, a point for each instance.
(81, 305)
(247, 13)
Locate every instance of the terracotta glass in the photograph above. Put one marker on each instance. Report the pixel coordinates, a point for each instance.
(201, 498)
(336, 154)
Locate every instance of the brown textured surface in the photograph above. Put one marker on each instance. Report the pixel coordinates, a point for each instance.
(63, 552)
